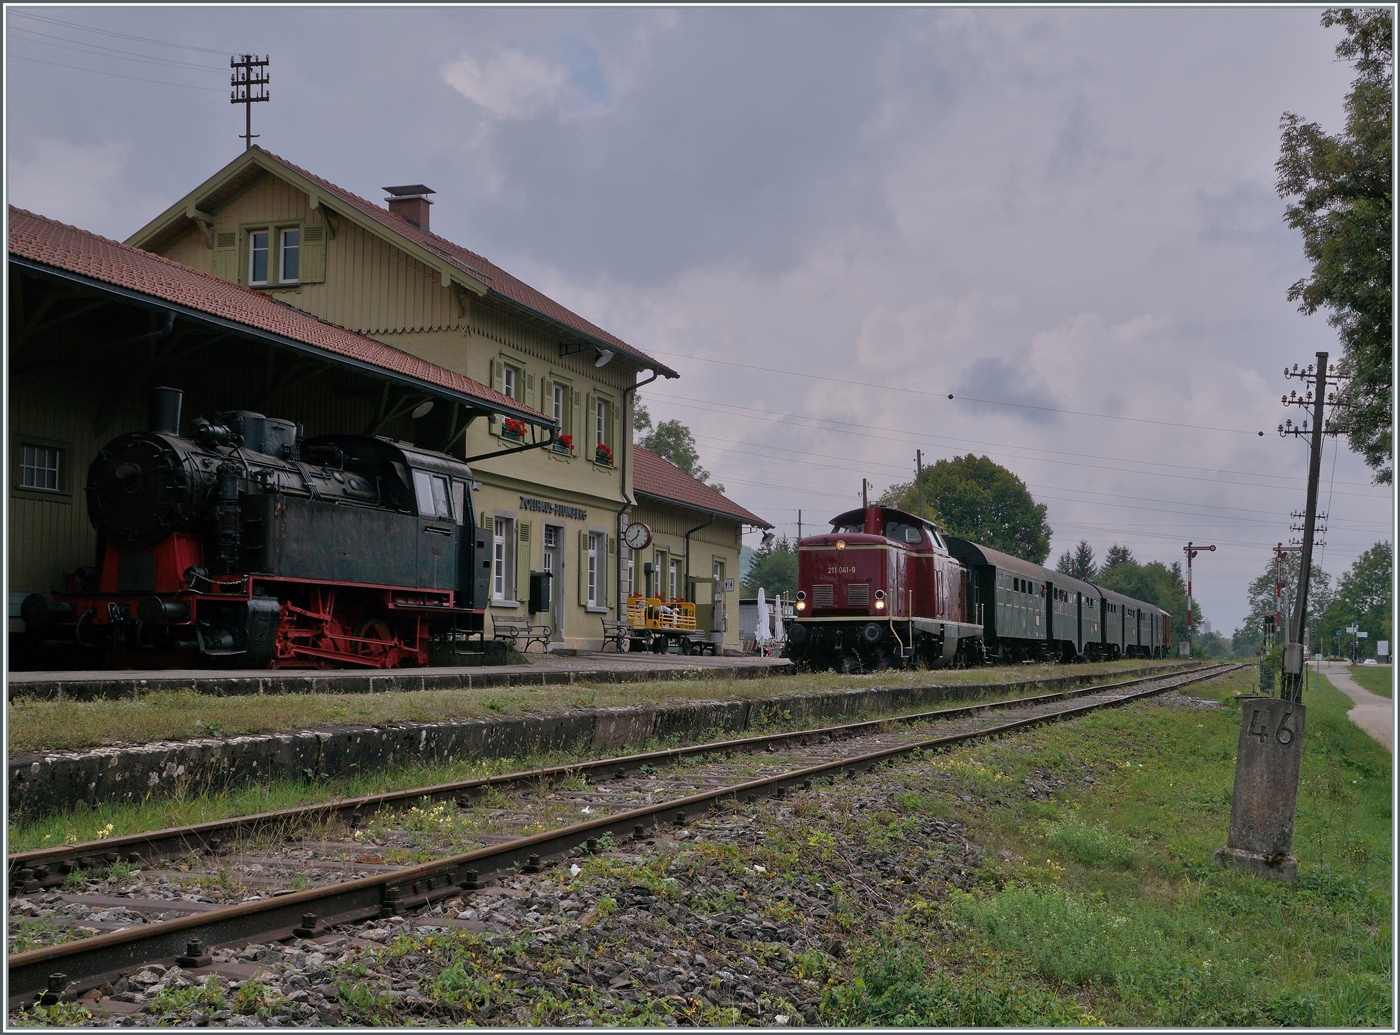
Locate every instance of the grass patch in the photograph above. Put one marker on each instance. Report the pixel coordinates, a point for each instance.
(88, 823)
(36, 725)
(1375, 678)
(1103, 904)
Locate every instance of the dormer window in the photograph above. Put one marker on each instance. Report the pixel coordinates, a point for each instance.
(290, 266)
(257, 257)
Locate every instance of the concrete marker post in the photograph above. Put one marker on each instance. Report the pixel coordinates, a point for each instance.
(1265, 799)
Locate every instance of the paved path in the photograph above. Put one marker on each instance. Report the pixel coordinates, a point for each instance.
(1373, 713)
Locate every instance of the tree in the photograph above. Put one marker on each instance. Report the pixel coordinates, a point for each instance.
(1363, 596)
(1116, 555)
(671, 440)
(1262, 603)
(973, 498)
(774, 568)
(1079, 564)
(1341, 191)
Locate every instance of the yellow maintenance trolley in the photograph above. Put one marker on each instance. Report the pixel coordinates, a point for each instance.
(656, 624)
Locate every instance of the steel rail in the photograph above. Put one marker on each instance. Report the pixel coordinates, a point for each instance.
(48, 867)
(88, 962)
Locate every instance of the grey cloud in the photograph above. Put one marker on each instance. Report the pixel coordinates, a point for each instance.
(997, 381)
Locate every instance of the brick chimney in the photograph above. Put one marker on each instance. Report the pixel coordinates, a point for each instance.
(411, 202)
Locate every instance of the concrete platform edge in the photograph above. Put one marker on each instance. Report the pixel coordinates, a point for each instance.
(50, 782)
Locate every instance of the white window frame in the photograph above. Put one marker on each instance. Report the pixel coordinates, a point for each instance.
(282, 255)
(503, 560)
(559, 397)
(253, 235)
(673, 577)
(510, 381)
(33, 453)
(597, 557)
(629, 569)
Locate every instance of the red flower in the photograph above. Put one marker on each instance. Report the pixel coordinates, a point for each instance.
(514, 427)
(567, 441)
(605, 452)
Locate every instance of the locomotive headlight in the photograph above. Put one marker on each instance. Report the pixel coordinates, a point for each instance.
(802, 605)
(879, 605)
(840, 544)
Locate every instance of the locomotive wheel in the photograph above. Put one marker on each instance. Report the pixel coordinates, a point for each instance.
(373, 628)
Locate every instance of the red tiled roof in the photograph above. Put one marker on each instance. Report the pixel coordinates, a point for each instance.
(663, 480)
(65, 247)
(498, 280)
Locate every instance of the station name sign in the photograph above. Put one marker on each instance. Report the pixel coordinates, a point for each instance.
(557, 509)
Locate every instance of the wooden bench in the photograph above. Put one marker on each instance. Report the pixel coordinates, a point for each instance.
(616, 633)
(510, 629)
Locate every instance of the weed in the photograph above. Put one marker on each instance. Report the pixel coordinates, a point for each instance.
(59, 1015)
(1093, 845)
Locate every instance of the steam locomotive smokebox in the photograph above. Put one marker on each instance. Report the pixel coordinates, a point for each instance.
(163, 410)
(1265, 800)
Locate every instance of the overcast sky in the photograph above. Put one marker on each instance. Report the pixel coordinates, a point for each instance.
(1071, 210)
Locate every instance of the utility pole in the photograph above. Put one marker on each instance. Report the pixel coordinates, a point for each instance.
(1191, 550)
(919, 478)
(1268, 760)
(799, 525)
(865, 493)
(1315, 396)
(249, 71)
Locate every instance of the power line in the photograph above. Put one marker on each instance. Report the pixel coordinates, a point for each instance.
(108, 32)
(868, 431)
(1092, 492)
(95, 50)
(963, 398)
(115, 75)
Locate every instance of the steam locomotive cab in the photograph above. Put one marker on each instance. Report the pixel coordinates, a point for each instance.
(880, 590)
(246, 545)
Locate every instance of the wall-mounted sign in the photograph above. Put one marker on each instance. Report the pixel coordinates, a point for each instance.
(556, 509)
(730, 585)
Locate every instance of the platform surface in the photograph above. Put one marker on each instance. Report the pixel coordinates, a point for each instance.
(602, 666)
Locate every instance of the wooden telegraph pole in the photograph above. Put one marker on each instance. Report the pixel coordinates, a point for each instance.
(249, 71)
(1270, 753)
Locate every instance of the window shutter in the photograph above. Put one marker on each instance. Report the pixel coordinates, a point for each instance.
(582, 568)
(529, 399)
(313, 254)
(592, 424)
(522, 561)
(226, 255)
(575, 428)
(611, 567)
(615, 428)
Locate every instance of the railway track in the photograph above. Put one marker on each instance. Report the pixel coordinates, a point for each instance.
(633, 794)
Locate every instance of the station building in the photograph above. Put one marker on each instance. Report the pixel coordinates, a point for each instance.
(269, 288)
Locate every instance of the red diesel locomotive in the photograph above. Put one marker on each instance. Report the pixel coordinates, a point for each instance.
(881, 590)
(887, 589)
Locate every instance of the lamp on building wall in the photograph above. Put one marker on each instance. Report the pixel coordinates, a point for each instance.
(422, 409)
(604, 358)
(766, 541)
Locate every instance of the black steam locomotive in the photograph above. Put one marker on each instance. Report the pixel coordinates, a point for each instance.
(248, 546)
